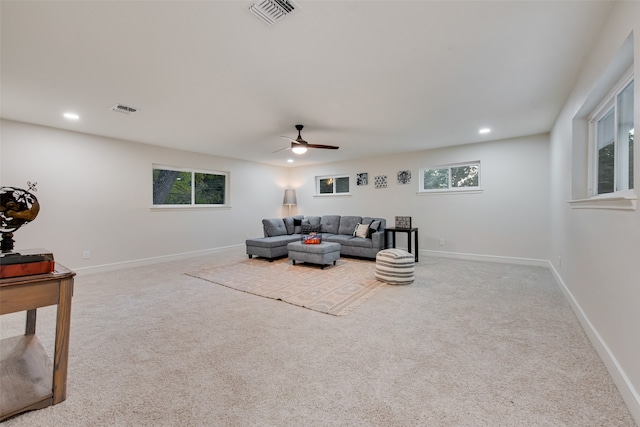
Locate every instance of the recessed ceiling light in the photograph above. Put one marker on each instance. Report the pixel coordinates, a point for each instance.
(484, 130)
(71, 116)
(289, 160)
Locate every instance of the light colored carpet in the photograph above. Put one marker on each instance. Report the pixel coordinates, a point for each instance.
(336, 289)
(467, 344)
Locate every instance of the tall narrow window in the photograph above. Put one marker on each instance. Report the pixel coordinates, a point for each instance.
(625, 137)
(613, 135)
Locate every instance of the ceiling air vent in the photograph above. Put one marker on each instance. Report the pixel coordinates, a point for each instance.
(124, 109)
(270, 11)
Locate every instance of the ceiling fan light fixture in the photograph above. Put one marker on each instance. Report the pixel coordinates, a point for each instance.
(299, 149)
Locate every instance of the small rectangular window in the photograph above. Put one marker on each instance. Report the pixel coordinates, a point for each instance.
(332, 185)
(459, 177)
(179, 187)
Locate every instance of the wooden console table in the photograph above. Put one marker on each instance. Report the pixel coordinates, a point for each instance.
(28, 378)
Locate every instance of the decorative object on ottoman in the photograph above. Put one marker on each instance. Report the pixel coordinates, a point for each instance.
(322, 253)
(395, 266)
(312, 238)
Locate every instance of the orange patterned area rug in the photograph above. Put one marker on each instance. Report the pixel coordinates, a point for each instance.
(336, 289)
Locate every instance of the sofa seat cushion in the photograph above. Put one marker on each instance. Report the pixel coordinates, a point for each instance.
(348, 240)
(275, 241)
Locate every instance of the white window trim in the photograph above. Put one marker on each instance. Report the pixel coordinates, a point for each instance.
(193, 206)
(450, 190)
(318, 178)
(608, 101)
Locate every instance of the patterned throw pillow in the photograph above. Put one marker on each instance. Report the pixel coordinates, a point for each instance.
(308, 228)
(373, 227)
(361, 230)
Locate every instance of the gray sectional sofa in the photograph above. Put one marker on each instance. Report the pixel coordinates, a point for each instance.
(278, 232)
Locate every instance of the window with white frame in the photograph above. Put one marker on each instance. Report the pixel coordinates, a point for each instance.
(611, 131)
(454, 177)
(184, 187)
(332, 185)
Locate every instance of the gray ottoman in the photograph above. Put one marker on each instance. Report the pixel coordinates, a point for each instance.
(323, 253)
(395, 266)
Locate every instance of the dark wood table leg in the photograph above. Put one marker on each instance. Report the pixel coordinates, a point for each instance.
(417, 251)
(30, 328)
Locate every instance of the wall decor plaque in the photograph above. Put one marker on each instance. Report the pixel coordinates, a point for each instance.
(380, 181)
(403, 222)
(362, 178)
(404, 177)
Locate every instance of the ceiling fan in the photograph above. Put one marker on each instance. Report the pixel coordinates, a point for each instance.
(300, 146)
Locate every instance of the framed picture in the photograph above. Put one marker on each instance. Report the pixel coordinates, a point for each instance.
(403, 222)
(404, 177)
(380, 181)
(362, 178)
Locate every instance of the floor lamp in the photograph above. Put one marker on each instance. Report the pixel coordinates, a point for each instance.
(289, 198)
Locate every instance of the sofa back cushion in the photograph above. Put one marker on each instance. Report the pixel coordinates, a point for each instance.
(330, 224)
(274, 227)
(290, 223)
(312, 220)
(348, 224)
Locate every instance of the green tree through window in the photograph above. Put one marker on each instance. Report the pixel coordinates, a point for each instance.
(179, 187)
(464, 176)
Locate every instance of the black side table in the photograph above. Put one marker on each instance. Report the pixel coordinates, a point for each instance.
(409, 231)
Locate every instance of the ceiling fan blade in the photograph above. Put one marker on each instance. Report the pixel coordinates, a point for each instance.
(283, 149)
(290, 139)
(329, 147)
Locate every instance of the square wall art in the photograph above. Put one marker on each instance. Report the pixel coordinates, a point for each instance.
(380, 181)
(362, 178)
(404, 177)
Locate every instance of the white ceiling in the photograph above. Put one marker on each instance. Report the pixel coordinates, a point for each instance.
(373, 77)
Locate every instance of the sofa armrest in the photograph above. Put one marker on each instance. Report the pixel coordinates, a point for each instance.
(378, 239)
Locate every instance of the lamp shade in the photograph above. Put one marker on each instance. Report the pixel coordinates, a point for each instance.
(290, 197)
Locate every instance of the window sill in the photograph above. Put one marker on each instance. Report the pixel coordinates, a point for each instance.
(187, 207)
(616, 202)
(437, 192)
(333, 195)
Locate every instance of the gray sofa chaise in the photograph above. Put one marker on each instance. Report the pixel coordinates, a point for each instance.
(279, 232)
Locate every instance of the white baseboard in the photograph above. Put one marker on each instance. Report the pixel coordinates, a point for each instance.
(625, 387)
(487, 258)
(149, 261)
(628, 392)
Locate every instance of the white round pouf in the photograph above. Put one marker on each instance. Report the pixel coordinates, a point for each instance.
(395, 266)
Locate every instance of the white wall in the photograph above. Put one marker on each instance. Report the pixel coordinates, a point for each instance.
(510, 218)
(600, 249)
(95, 194)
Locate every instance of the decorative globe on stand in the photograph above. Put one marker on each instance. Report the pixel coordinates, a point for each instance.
(17, 208)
